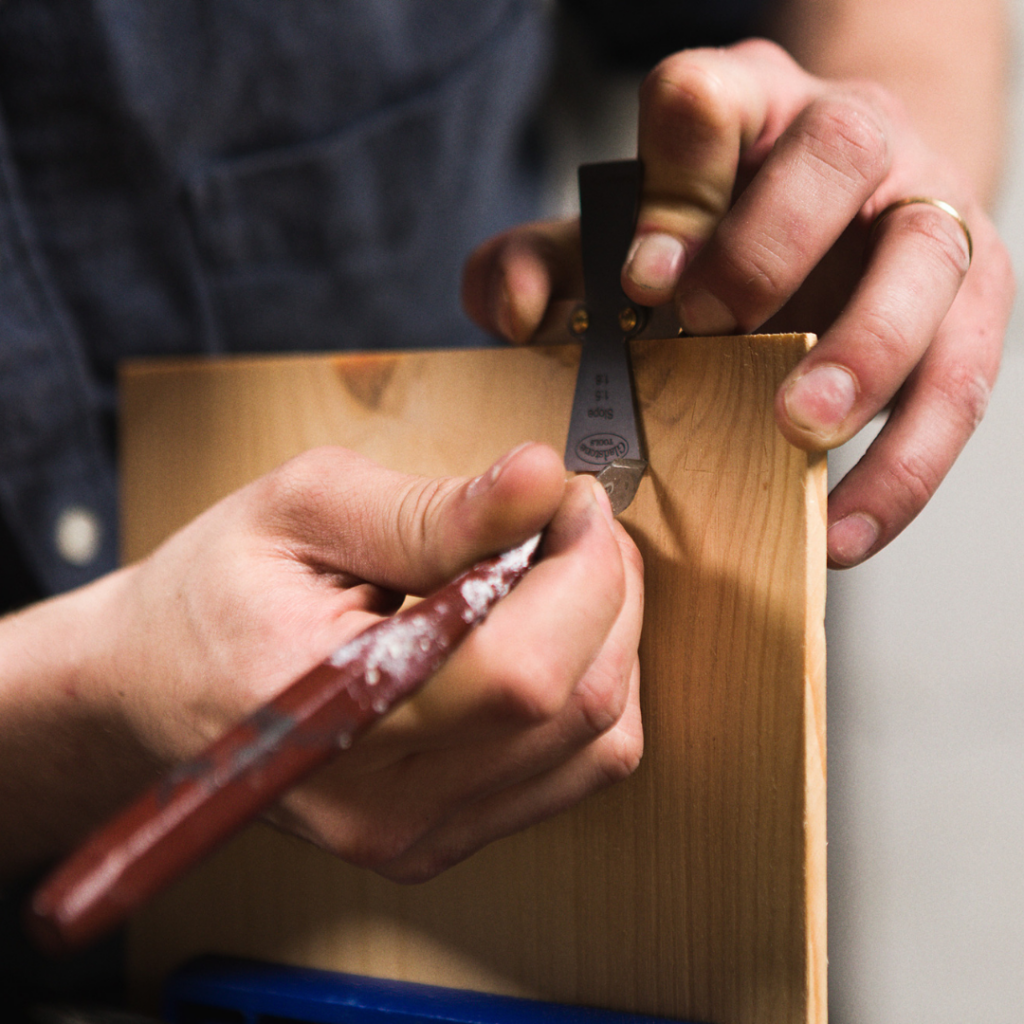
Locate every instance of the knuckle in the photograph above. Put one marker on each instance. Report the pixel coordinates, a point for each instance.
(531, 692)
(622, 762)
(939, 238)
(886, 337)
(294, 477)
(301, 488)
(883, 102)
(685, 86)
(621, 755)
(381, 844)
(753, 278)
(913, 479)
(964, 393)
(604, 693)
(392, 845)
(848, 139)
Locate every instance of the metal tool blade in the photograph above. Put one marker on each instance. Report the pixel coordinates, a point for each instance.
(604, 435)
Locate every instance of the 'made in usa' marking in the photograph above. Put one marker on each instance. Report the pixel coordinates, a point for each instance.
(600, 449)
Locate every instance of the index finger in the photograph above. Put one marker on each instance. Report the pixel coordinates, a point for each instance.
(703, 113)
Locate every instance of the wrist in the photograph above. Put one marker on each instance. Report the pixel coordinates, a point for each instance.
(68, 754)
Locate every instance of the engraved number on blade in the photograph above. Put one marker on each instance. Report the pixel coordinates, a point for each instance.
(600, 449)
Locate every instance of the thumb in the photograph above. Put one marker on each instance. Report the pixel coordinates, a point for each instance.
(411, 533)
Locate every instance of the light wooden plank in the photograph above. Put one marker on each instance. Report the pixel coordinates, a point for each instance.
(694, 890)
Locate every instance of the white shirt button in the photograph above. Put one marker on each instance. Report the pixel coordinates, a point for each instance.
(77, 535)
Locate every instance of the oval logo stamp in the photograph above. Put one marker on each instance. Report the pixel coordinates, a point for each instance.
(600, 449)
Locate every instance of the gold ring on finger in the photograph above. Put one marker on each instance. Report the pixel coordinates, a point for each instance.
(939, 204)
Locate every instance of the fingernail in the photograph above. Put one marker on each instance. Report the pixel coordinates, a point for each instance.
(700, 312)
(821, 399)
(655, 262)
(486, 480)
(851, 539)
(603, 501)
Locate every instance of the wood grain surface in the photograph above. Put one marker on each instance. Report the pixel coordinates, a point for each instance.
(694, 890)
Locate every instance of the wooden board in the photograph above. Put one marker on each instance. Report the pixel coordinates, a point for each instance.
(694, 890)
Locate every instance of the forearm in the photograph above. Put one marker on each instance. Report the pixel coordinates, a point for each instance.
(67, 758)
(947, 61)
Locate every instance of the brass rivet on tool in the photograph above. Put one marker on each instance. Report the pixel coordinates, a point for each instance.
(628, 319)
(579, 321)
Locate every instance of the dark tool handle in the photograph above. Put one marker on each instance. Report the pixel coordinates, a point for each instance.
(206, 800)
(603, 426)
(609, 197)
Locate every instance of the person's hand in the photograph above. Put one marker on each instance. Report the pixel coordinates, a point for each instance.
(537, 708)
(762, 185)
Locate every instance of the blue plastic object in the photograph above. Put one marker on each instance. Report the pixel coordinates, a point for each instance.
(221, 990)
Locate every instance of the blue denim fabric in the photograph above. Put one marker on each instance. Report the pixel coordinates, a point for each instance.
(205, 176)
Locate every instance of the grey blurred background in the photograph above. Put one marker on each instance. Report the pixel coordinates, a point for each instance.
(926, 726)
(925, 685)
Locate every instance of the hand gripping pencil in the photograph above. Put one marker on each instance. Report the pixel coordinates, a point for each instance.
(204, 801)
